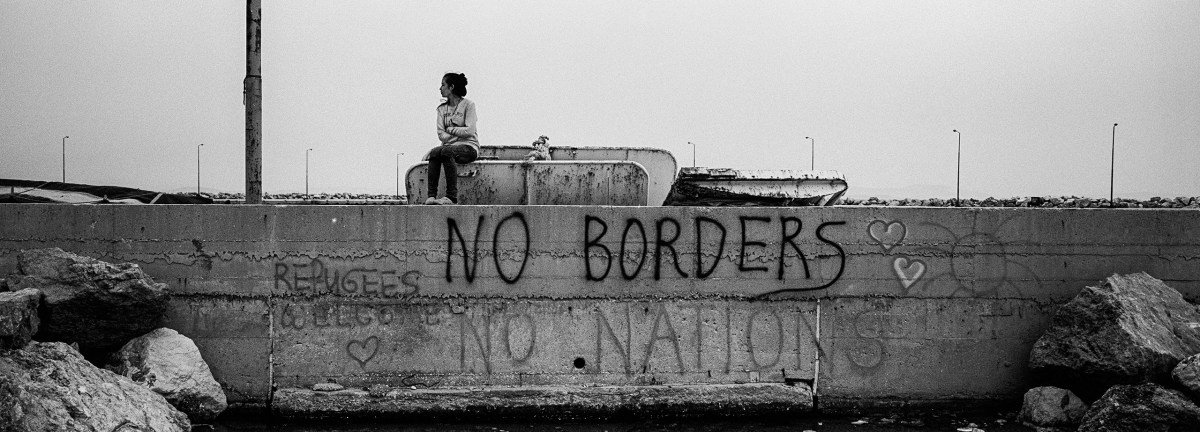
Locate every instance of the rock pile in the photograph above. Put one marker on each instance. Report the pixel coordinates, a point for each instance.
(98, 305)
(1040, 202)
(1128, 345)
(48, 386)
(170, 364)
(56, 298)
(299, 196)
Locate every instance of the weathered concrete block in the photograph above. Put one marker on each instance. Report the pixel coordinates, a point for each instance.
(1130, 329)
(18, 317)
(170, 364)
(233, 333)
(548, 401)
(915, 303)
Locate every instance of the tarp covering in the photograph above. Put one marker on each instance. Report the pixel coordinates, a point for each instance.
(33, 191)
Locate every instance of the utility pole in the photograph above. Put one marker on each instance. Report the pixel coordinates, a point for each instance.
(1112, 168)
(812, 159)
(252, 98)
(398, 175)
(65, 158)
(958, 173)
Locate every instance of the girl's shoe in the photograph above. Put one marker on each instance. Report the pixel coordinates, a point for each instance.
(444, 201)
(432, 201)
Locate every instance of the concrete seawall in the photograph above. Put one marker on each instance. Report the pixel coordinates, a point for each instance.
(867, 305)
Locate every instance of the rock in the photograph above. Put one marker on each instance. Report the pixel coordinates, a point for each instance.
(328, 387)
(1187, 375)
(18, 317)
(1130, 329)
(47, 386)
(170, 364)
(1146, 407)
(1052, 408)
(99, 305)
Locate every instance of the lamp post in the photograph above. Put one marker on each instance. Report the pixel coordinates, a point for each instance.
(958, 173)
(1112, 169)
(813, 157)
(64, 158)
(306, 173)
(693, 153)
(198, 168)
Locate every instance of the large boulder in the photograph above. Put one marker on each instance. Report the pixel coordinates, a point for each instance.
(1187, 375)
(1049, 409)
(96, 304)
(1146, 407)
(18, 317)
(1130, 329)
(48, 386)
(170, 364)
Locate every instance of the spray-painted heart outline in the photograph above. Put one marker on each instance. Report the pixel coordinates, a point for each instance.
(881, 232)
(363, 351)
(908, 270)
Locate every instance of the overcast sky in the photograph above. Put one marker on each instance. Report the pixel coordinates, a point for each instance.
(1033, 86)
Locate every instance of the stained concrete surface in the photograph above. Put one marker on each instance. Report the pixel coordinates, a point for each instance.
(878, 304)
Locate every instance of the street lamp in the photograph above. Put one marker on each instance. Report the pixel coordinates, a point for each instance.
(958, 173)
(198, 168)
(306, 173)
(1112, 169)
(64, 158)
(693, 153)
(813, 157)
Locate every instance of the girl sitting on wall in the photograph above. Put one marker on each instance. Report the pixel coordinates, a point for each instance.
(456, 130)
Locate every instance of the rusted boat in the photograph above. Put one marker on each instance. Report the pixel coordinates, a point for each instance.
(32, 191)
(699, 186)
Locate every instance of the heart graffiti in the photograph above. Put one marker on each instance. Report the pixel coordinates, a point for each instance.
(908, 270)
(363, 351)
(887, 234)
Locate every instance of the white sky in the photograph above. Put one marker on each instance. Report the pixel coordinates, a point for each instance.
(1034, 86)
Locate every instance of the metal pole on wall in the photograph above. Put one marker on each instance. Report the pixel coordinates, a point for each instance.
(65, 159)
(693, 153)
(306, 173)
(198, 168)
(958, 173)
(252, 88)
(1112, 169)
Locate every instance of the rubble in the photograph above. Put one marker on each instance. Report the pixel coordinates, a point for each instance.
(1141, 408)
(18, 317)
(1052, 409)
(1035, 202)
(170, 364)
(1187, 375)
(1128, 330)
(97, 304)
(49, 386)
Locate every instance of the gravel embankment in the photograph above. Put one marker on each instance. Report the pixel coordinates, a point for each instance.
(1041, 202)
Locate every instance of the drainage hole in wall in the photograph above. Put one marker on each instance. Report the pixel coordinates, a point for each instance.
(580, 362)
